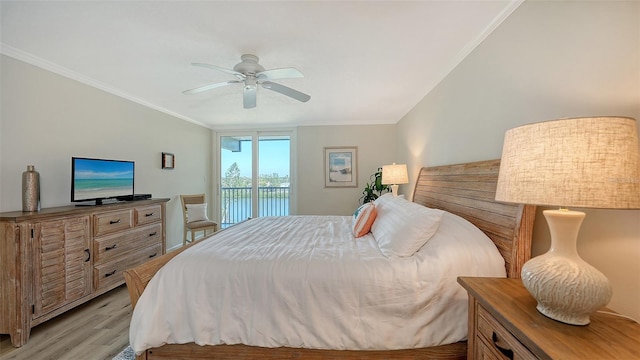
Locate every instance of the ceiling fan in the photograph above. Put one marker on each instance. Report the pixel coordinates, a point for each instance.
(252, 74)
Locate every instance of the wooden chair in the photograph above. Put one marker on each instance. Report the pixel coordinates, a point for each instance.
(202, 223)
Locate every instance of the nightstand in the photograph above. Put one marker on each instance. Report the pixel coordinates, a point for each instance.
(504, 324)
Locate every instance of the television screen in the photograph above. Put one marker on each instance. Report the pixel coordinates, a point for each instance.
(98, 179)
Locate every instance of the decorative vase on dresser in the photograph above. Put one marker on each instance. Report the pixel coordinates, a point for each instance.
(30, 189)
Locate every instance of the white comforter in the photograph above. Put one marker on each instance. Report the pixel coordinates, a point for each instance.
(305, 282)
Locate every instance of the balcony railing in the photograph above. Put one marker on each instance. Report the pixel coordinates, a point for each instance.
(237, 207)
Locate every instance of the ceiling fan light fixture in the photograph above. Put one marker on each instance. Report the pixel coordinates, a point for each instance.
(250, 83)
(251, 74)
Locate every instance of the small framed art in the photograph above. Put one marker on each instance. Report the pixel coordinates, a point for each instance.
(168, 160)
(341, 166)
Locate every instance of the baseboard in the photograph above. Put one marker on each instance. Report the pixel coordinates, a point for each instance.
(175, 247)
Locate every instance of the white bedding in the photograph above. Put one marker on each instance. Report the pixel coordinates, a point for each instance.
(305, 282)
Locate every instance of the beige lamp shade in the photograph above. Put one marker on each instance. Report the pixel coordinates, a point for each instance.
(579, 162)
(395, 174)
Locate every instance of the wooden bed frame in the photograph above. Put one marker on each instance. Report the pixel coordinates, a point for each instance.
(467, 190)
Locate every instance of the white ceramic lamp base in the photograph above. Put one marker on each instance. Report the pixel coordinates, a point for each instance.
(394, 189)
(566, 287)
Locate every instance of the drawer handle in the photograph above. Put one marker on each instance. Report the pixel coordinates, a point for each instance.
(153, 255)
(114, 222)
(110, 273)
(153, 233)
(149, 214)
(88, 252)
(111, 247)
(505, 351)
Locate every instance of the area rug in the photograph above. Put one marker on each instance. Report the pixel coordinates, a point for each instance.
(126, 354)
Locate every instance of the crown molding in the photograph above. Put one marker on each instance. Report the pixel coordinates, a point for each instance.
(70, 74)
(474, 43)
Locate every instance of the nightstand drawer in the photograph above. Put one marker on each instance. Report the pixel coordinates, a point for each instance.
(506, 308)
(484, 351)
(497, 340)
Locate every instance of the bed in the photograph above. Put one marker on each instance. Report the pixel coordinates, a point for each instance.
(464, 190)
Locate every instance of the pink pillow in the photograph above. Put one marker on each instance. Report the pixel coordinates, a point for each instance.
(363, 218)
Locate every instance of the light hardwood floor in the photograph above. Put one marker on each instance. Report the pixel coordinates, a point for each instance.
(98, 329)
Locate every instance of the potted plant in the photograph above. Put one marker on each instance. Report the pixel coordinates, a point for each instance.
(374, 189)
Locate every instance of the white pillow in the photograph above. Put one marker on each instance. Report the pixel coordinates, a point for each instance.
(402, 227)
(382, 200)
(196, 212)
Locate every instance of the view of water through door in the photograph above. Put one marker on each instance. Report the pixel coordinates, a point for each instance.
(254, 176)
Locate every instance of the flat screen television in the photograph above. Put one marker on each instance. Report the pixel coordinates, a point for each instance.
(101, 179)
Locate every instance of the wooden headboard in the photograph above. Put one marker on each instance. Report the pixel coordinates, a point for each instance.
(468, 190)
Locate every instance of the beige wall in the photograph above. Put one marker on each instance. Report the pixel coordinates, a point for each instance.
(548, 60)
(376, 147)
(46, 119)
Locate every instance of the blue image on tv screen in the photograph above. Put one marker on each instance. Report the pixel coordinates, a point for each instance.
(102, 179)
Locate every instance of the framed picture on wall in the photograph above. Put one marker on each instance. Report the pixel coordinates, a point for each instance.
(341, 166)
(168, 160)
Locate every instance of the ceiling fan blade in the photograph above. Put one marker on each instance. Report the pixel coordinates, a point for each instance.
(249, 96)
(239, 75)
(210, 86)
(284, 73)
(285, 90)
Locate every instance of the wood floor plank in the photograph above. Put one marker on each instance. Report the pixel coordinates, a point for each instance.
(96, 330)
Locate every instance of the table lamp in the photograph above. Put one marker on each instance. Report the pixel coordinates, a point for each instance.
(580, 162)
(394, 175)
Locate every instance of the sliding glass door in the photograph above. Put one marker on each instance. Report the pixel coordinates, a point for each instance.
(236, 180)
(255, 175)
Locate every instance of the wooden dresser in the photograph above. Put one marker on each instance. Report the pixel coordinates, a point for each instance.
(59, 258)
(504, 324)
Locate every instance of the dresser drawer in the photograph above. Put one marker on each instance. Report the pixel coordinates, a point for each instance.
(148, 214)
(113, 246)
(109, 274)
(496, 342)
(110, 222)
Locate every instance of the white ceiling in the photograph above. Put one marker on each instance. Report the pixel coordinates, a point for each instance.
(365, 62)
